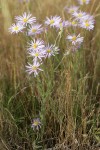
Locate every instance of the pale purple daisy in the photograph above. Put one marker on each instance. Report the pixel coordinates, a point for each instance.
(79, 15)
(37, 54)
(81, 2)
(74, 23)
(63, 24)
(71, 9)
(36, 124)
(33, 68)
(25, 19)
(87, 22)
(51, 50)
(66, 23)
(35, 29)
(16, 28)
(36, 44)
(53, 21)
(75, 39)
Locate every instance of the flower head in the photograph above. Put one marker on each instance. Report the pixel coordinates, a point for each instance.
(81, 2)
(87, 22)
(74, 23)
(53, 21)
(36, 44)
(71, 9)
(75, 39)
(51, 50)
(25, 19)
(63, 24)
(79, 15)
(35, 29)
(33, 68)
(36, 124)
(37, 54)
(16, 28)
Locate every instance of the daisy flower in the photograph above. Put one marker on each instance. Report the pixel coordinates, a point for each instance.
(36, 44)
(74, 23)
(51, 50)
(63, 24)
(25, 19)
(66, 23)
(33, 68)
(16, 28)
(35, 29)
(87, 23)
(81, 2)
(53, 21)
(75, 39)
(36, 124)
(79, 15)
(72, 9)
(37, 54)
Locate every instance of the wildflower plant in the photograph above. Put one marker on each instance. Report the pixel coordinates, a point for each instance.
(39, 50)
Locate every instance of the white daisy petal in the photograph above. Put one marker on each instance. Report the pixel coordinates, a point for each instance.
(25, 19)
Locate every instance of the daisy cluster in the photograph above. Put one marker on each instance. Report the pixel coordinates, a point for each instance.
(38, 50)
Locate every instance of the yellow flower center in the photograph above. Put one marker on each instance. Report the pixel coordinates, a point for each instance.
(87, 24)
(71, 10)
(35, 45)
(33, 30)
(51, 21)
(74, 22)
(16, 28)
(25, 20)
(48, 51)
(79, 15)
(34, 68)
(84, 1)
(36, 54)
(36, 123)
(74, 38)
